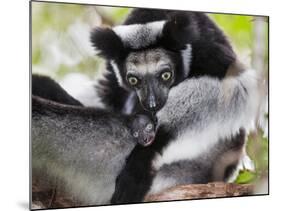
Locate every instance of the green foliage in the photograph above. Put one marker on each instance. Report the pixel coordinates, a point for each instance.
(54, 15)
(257, 149)
(245, 176)
(36, 56)
(87, 66)
(50, 33)
(238, 27)
(120, 14)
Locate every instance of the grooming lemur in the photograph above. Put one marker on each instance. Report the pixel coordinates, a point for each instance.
(153, 51)
(84, 149)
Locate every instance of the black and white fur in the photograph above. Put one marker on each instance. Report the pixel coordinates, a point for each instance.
(80, 151)
(218, 164)
(200, 116)
(189, 42)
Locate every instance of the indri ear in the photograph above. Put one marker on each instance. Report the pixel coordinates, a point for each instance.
(108, 44)
(179, 30)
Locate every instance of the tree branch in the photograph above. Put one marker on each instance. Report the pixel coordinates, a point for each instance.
(198, 191)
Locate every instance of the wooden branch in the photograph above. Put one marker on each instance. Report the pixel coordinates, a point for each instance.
(198, 191)
(194, 191)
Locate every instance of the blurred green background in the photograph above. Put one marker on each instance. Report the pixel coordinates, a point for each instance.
(61, 47)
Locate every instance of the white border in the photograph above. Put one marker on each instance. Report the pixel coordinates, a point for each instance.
(14, 114)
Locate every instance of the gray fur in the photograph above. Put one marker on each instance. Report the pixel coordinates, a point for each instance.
(195, 103)
(148, 61)
(82, 153)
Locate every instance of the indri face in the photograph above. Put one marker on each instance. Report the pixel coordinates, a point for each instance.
(150, 73)
(143, 130)
(148, 58)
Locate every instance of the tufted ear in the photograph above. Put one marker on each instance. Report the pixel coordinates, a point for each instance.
(108, 44)
(179, 30)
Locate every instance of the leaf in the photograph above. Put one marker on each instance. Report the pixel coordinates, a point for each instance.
(245, 177)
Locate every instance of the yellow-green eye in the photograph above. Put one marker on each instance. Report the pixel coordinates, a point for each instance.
(166, 76)
(133, 80)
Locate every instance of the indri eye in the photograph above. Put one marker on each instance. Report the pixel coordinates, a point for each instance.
(149, 127)
(133, 80)
(166, 76)
(136, 134)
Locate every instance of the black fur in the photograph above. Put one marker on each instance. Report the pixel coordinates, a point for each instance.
(180, 29)
(211, 52)
(116, 99)
(45, 87)
(109, 44)
(142, 16)
(136, 178)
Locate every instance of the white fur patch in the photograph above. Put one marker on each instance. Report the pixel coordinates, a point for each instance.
(139, 35)
(193, 143)
(247, 163)
(117, 72)
(83, 89)
(129, 106)
(186, 58)
(160, 183)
